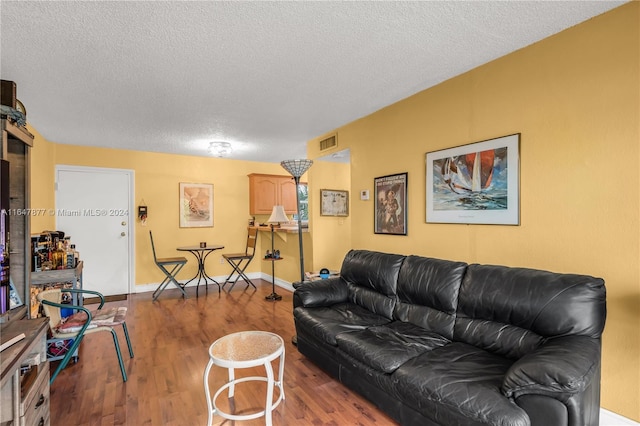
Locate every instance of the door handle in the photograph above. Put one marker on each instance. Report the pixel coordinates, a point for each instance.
(123, 223)
(122, 234)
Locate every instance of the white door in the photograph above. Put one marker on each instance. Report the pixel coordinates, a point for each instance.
(94, 207)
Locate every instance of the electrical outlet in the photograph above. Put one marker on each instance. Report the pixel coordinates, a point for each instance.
(221, 260)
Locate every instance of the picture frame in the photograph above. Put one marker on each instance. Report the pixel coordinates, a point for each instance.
(334, 202)
(390, 195)
(196, 205)
(477, 183)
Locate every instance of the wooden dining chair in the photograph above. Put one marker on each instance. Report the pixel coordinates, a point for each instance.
(170, 266)
(240, 261)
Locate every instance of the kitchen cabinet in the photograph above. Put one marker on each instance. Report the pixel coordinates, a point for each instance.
(266, 191)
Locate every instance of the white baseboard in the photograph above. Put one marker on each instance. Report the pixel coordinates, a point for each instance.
(143, 288)
(609, 418)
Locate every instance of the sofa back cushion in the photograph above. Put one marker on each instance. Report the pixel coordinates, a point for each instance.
(372, 278)
(428, 293)
(510, 311)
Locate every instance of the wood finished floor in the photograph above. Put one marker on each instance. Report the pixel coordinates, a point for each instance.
(165, 378)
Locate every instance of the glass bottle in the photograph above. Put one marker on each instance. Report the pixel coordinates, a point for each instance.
(58, 257)
(76, 255)
(69, 257)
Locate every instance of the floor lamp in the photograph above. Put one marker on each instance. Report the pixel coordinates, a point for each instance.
(277, 216)
(297, 168)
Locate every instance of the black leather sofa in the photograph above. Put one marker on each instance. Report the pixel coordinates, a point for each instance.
(437, 342)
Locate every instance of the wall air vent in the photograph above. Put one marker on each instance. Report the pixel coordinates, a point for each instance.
(328, 143)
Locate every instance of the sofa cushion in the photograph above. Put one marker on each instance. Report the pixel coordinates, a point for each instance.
(387, 347)
(372, 279)
(511, 311)
(428, 293)
(326, 322)
(458, 384)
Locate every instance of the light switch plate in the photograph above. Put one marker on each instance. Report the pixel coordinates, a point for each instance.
(364, 194)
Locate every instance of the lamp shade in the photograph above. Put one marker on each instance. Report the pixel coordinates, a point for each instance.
(296, 167)
(278, 215)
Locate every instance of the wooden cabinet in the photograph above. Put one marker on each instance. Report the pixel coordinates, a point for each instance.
(16, 143)
(25, 375)
(266, 191)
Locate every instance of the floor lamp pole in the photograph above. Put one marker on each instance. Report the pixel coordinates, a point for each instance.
(297, 168)
(297, 180)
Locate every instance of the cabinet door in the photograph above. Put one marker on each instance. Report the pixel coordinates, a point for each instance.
(287, 187)
(263, 194)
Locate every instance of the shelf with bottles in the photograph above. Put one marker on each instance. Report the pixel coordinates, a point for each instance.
(58, 278)
(52, 250)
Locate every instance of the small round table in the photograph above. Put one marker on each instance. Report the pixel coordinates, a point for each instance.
(243, 350)
(201, 254)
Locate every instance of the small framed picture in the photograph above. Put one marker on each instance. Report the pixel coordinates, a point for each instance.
(196, 205)
(334, 202)
(391, 204)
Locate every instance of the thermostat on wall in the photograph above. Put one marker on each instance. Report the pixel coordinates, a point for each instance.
(364, 194)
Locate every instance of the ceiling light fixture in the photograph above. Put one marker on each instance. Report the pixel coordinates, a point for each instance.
(220, 149)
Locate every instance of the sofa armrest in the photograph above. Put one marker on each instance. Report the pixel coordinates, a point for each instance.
(560, 368)
(320, 293)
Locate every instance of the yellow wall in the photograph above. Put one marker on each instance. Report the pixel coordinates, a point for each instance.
(42, 183)
(157, 177)
(574, 97)
(331, 235)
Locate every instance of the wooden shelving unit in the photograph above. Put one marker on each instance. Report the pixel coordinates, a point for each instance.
(16, 145)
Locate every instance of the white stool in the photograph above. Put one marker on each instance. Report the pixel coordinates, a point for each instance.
(243, 350)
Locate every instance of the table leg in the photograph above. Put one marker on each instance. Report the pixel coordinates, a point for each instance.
(207, 277)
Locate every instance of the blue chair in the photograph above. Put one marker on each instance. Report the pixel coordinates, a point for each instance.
(82, 322)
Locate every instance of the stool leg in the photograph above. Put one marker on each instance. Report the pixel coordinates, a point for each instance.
(233, 385)
(270, 383)
(281, 374)
(207, 393)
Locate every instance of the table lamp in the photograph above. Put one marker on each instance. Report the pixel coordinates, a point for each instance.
(297, 168)
(277, 215)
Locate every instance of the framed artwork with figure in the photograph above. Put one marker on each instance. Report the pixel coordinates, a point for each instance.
(391, 204)
(196, 205)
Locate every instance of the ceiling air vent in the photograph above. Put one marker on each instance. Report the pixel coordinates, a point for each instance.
(330, 142)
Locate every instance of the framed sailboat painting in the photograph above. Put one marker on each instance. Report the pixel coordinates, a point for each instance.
(476, 183)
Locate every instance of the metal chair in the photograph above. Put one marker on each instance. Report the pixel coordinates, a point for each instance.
(240, 261)
(82, 322)
(170, 266)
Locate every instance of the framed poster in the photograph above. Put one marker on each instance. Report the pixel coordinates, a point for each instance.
(334, 202)
(196, 205)
(476, 183)
(391, 204)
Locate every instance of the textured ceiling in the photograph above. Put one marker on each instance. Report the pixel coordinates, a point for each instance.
(172, 76)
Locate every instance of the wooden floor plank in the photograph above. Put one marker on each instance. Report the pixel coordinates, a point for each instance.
(170, 339)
